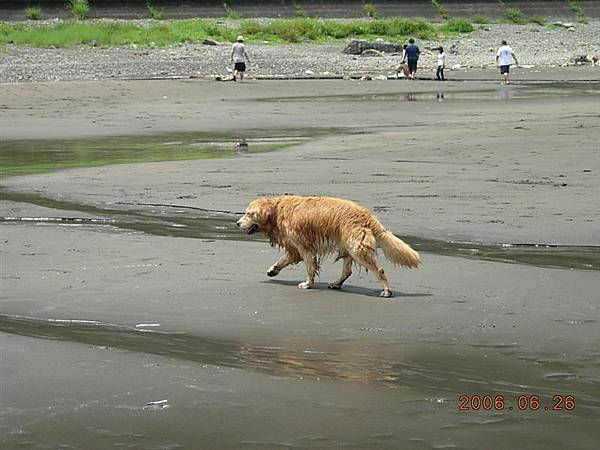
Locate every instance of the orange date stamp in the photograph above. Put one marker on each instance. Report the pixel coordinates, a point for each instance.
(522, 402)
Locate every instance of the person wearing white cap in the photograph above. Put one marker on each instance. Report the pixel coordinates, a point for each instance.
(239, 57)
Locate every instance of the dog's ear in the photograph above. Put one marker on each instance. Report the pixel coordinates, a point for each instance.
(268, 218)
(269, 213)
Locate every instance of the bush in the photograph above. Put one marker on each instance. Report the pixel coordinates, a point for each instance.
(155, 13)
(514, 15)
(33, 13)
(79, 8)
(106, 34)
(198, 30)
(370, 10)
(231, 13)
(480, 19)
(440, 10)
(298, 9)
(573, 6)
(457, 26)
(537, 19)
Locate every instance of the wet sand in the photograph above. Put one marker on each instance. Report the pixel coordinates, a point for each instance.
(250, 362)
(462, 161)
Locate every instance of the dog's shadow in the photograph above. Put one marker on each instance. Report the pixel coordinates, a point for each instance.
(347, 288)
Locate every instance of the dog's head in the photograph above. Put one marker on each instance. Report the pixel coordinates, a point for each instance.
(258, 217)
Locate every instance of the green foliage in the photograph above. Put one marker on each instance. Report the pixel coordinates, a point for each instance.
(33, 13)
(196, 30)
(155, 13)
(573, 6)
(481, 20)
(231, 13)
(457, 26)
(537, 19)
(514, 15)
(370, 10)
(440, 10)
(298, 9)
(112, 34)
(79, 8)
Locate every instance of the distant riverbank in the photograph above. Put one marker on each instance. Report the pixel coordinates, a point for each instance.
(537, 47)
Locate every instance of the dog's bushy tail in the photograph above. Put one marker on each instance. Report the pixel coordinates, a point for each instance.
(397, 251)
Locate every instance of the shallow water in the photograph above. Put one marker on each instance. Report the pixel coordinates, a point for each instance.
(190, 222)
(518, 92)
(439, 372)
(38, 156)
(412, 385)
(357, 367)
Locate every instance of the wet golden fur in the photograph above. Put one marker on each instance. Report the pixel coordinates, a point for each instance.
(308, 228)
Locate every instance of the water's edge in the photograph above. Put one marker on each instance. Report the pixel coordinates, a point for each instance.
(198, 223)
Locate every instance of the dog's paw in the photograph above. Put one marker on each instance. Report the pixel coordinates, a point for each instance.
(386, 293)
(272, 272)
(334, 286)
(305, 285)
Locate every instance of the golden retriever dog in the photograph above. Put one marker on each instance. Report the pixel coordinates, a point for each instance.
(310, 228)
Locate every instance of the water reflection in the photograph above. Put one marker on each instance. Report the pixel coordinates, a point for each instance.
(504, 94)
(497, 93)
(40, 156)
(444, 371)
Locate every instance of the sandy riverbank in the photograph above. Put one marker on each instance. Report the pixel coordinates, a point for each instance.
(247, 361)
(488, 163)
(540, 48)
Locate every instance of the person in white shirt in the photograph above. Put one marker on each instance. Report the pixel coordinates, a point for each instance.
(402, 67)
(504, 58)
(239, 57)
(441, 64)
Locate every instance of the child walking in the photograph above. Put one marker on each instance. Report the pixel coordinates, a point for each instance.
(441, 63)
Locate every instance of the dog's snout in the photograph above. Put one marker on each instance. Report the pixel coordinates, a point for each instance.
(238, 222)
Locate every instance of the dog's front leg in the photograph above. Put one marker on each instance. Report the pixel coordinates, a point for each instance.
(312, 268)
(284, 261)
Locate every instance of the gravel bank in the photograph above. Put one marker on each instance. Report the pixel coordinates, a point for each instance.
(534, 45)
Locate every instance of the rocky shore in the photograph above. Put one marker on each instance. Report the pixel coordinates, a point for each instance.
(536, 47)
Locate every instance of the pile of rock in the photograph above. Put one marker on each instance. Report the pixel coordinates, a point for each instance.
(376, 48)
(568, 25)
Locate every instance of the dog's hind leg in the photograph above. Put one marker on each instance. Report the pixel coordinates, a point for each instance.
(312, 269)
(370, 263)
(361, 247)
(290, 257)
(346, 272)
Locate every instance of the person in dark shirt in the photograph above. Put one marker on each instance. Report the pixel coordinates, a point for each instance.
(412, 56)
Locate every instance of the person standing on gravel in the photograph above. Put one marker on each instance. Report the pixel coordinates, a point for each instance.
(441, 64)
(402, 67)
(504, 58)
(239, 57)
(412, 56)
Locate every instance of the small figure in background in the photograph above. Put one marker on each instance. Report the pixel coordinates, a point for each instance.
(402, 67)
(441, 64)
(412, 56)
(239, 57)
(504, 58)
